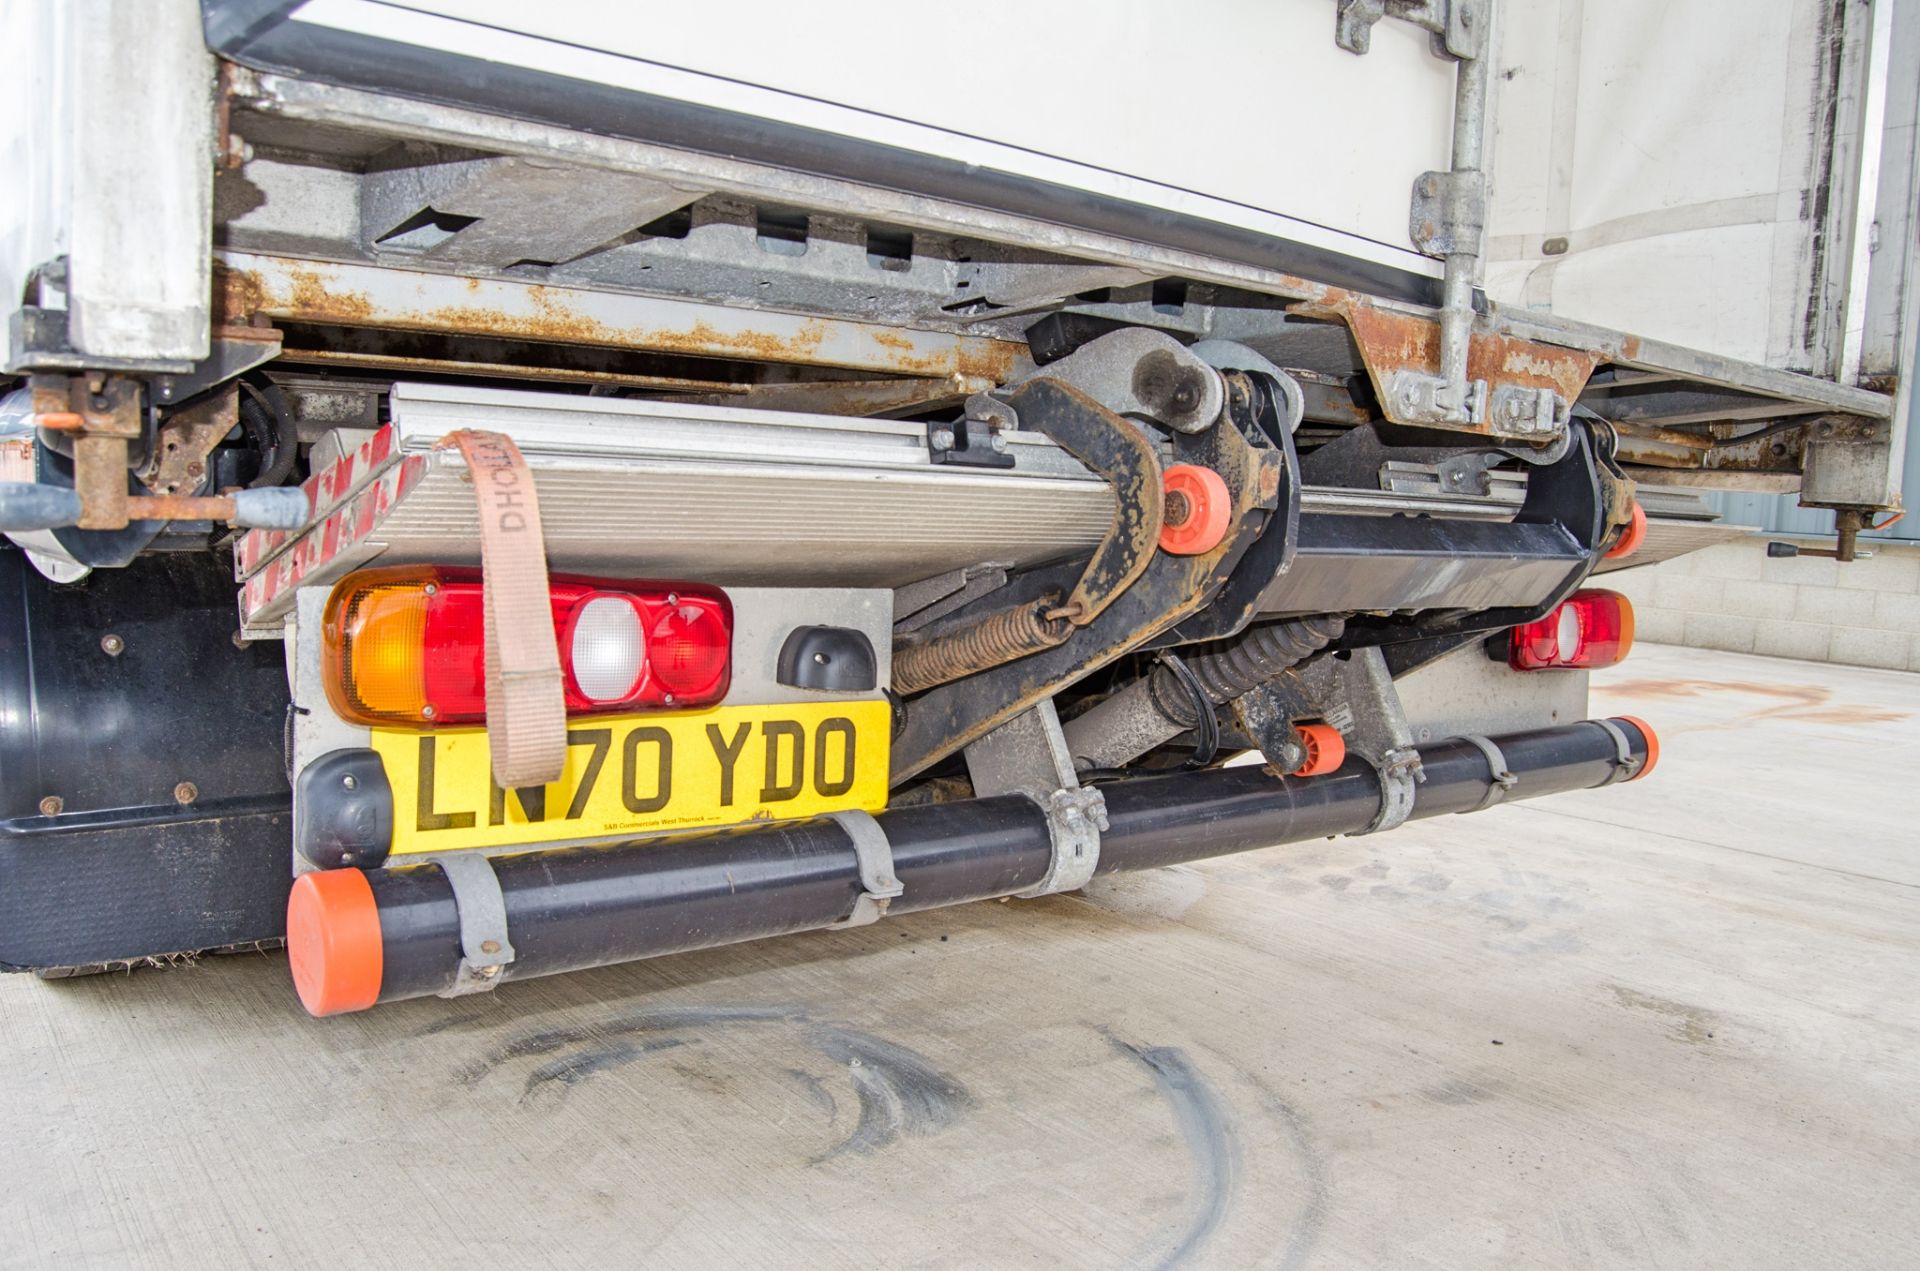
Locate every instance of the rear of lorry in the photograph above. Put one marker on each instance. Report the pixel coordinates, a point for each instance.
(493, 491)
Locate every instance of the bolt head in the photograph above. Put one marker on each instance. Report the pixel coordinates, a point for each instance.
(52, 805)
(350, 782)
(186, 792)
(999, 444)
(489, 946)
(941, 438)
(112, 645)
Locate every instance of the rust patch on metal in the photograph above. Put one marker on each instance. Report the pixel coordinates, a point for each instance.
(1392, 341)
(310, 294)
(186, 439)
(180, 507)
(1657, 447)
(402, 363)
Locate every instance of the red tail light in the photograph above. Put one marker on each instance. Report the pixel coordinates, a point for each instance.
(1592, 628)
(406, 646)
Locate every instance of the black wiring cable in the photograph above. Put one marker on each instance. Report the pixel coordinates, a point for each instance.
(1205, 723)
(268, 420)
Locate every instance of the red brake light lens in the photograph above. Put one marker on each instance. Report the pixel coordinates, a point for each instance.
(689, 646)
(1590, 629)
(407, 646)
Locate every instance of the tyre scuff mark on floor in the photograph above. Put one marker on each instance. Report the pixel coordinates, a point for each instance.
(1208, 1133)
(900, 1092)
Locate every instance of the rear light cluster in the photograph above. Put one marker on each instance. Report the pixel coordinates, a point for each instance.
(1591, 629)
(406, 646)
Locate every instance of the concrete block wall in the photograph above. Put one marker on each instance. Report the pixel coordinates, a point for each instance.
(1736, 597)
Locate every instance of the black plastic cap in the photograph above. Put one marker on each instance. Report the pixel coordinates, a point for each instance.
(343, 811)
(828, 660)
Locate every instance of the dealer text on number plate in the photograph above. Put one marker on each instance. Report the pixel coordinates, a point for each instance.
(642, 773)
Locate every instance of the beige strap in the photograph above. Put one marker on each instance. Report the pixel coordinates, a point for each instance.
(526, 703)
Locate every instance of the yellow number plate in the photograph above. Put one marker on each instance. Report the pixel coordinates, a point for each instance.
(642, 773)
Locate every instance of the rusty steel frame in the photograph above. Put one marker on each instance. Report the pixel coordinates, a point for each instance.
(186, 438)
(1392, 341)
(101, 415)
(250, 285)
(296, 99)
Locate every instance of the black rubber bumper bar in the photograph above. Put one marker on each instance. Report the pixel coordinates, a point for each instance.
(357, 938)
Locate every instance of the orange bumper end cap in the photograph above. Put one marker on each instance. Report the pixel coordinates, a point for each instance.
(333, 941)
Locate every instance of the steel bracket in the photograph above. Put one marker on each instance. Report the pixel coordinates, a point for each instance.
(1145, 373)
(974, 440)
(1355, 695)
(1264, 405)
(1028, 755)
(1523, 412)
(177, 461)
(1465, 473)
(880, 885)
(1399, 771)
(1075, 818)
(1420, 398)
(485, 949)
(1457, 25)
(1448, 213)
(1115, 450)
(1265, 714)
(232, 356)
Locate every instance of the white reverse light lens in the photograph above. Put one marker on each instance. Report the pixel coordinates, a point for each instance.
(609, 649)
(1567, 635)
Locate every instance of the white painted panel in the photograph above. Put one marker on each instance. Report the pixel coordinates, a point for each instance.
(35, 121)
(1669, 144)
(1617, 122)
(1245, 101)
(106, 124)
(142, 143)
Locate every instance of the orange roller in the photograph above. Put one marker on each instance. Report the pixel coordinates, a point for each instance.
(1326, 750)
(1198, 509)
(1634, 535)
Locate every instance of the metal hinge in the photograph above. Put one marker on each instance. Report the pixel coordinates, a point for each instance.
(1457, 25)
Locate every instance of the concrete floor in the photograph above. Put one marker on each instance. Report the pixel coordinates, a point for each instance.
(1672, 1025)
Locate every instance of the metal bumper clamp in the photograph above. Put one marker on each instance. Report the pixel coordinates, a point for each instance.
(878, 882)
(1502, 778)
(1625, 766)
(485, 950)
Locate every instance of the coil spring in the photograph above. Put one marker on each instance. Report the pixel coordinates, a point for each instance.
(997, 638)
(1227, 670)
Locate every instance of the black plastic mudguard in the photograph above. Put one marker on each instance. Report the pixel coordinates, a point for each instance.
(144, 806)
